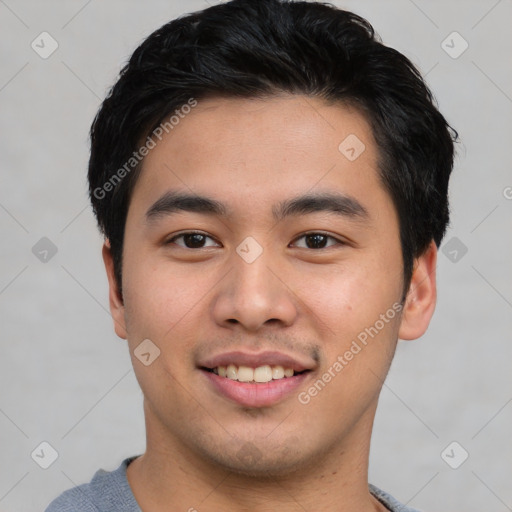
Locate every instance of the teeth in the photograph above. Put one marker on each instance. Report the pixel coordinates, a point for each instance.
(264, 373)
(245, 374)
(277, 372)
(231, 372)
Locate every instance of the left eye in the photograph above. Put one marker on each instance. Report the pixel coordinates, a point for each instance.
(192, 240)
(317, 240)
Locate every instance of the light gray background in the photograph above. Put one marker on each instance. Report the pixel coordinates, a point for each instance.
(65, 377)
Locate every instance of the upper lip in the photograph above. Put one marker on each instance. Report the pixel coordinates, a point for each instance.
(254, 360)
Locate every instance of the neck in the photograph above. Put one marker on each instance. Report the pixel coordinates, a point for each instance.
(171, 473)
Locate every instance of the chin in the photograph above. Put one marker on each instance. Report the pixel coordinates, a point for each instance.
(261, 459)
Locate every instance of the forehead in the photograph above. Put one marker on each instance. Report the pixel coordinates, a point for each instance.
(250, 152)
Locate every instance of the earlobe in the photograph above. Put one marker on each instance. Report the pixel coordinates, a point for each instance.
(115, 298)
(421, 299)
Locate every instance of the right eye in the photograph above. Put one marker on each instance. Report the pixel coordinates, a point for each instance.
(191, 240)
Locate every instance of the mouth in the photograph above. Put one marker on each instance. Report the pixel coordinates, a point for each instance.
(260, 375)
(255, 380)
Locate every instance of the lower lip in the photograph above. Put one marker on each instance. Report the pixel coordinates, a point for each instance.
(258, 394)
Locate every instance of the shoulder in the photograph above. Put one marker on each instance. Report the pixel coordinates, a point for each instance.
(391, 503)
(106, 490)
(73, 500)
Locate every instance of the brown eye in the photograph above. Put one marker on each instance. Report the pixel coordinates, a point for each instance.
(191, 240)
(317, 240)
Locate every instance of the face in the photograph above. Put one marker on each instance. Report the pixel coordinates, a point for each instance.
(291, 261)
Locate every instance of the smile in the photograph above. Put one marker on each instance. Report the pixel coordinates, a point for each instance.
(251, 392)
(261, 374)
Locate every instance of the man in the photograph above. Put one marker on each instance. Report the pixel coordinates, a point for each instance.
(271, 182)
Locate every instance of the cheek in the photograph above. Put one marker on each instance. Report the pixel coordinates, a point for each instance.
(348, 298)
(160, 296)
(357, 310)
(358, 349)
(166, 304)
(161, 304)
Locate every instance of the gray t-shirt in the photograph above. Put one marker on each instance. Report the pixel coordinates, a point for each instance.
(109, 491)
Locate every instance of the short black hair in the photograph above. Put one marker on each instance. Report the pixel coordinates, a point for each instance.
(251, 49)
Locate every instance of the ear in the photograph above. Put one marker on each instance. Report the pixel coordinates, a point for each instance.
(115, 298)
(421, 298)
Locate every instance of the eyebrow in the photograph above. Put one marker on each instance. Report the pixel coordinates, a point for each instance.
(343, 205)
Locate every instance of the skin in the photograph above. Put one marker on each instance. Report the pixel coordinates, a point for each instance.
(196, 302)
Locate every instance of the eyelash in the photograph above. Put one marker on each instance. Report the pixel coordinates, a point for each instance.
(310, 233)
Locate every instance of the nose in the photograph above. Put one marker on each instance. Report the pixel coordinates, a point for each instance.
(255, 294)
